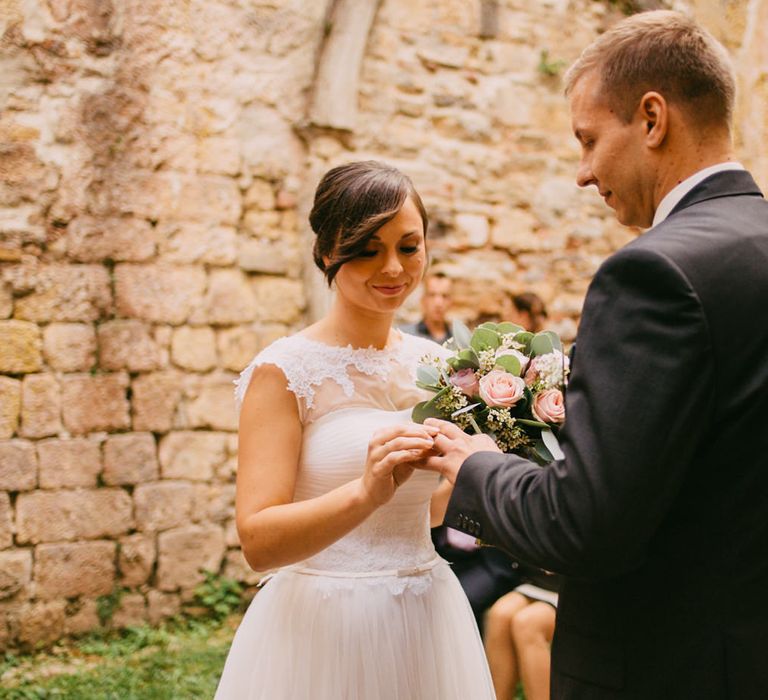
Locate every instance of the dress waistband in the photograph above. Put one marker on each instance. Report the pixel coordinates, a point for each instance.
(408, 571)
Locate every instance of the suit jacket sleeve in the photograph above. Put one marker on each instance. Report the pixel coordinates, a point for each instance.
(636, 408)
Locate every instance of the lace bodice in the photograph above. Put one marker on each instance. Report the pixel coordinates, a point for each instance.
(345, 394)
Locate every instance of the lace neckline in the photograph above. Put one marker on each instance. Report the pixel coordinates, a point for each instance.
(349, 349)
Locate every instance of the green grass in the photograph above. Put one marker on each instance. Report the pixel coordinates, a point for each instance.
(180, 661)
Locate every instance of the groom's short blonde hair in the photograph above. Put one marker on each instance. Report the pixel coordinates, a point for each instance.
(666, 52)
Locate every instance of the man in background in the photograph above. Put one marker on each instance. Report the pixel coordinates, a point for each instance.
(435, 302)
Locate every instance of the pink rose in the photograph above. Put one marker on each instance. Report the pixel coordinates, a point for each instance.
(466, 381)
(549, 406)
(501, 389)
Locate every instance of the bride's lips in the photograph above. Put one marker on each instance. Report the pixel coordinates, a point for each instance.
(389, 290)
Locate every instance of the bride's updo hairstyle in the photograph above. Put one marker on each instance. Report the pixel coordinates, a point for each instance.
(351, 203)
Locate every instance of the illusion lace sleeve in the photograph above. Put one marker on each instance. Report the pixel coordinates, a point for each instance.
(285, 355)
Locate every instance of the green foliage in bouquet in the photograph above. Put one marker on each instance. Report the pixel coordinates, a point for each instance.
(501, 380)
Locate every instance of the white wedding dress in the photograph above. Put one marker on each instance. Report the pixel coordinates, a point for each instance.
(377, 615)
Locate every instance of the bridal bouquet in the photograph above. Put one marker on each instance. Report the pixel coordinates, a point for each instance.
(501, 380)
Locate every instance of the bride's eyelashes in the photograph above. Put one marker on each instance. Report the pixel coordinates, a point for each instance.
(406, 250)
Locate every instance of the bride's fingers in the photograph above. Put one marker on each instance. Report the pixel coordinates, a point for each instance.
(378, 452)
(402, 430)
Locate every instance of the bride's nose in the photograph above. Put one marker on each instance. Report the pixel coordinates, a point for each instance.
(392, 265)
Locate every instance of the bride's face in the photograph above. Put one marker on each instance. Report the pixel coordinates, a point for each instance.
(391, 266)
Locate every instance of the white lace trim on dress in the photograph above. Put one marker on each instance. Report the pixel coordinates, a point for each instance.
(307, 363)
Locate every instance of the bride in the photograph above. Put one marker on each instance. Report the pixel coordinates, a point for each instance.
(361, 607)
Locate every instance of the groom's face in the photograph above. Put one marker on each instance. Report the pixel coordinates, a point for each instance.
(613, 157)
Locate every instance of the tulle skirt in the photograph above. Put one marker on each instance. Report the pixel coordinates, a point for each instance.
(315, 637)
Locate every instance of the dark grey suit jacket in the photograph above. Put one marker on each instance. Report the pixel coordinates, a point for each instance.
(658, 514)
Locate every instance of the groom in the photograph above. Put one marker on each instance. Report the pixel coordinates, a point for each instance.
(658, 513)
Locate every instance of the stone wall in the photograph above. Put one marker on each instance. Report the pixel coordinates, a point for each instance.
(157, 161)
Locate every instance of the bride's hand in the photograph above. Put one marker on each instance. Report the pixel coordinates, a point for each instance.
(393, 454)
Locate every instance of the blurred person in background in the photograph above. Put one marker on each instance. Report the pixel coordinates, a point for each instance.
(435, 302)
(528, 310)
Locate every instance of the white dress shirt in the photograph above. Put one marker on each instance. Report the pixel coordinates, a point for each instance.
(673, 197)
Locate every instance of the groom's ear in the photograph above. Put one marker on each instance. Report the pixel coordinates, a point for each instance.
(654, 113)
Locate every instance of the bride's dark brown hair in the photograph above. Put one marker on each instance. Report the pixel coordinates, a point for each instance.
(352, 202)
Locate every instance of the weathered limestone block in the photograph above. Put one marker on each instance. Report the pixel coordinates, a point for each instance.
(93, 239)
(260, 195)
(231, 538)
(6, 521)
(194, 348)
(23, 176)
(69, 347)
(82, 616)
(155, 399)
(55, 516)
(131, 612)
(237, 347)
(18, 465)
(161, 293)
(192, 455)
(161, 606)
(270, 257)
(92, 403)
(10, 406)
(20, 348)
(68, 463)
(213, 405)
(214, 502)
(78, 568)
(15, 572)
(161, 505)
(229, 299)
(6, 300)
(136, 557)
(130, 459)
(190, 242)
(263, 224)
(184, 552)
(237, 568)
(513, 227)
(41, 623)
(127, 345)
(219, 155)
(67, 293)
(40, 406)
(183, 196)
(278, 299)
(472, 230)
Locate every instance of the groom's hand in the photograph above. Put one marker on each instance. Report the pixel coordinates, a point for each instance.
(453, 446)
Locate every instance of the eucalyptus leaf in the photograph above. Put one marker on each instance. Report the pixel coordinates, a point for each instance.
(541, 345)
(429, 387)
(532, 423)
(462, 336)
(542, 452)
(551, 443)
(508, 327)
(471, 407)
(489, 325)
(509, 363)
(468, 358)
(484, 339)
(428, 374)
(524, 338)
(555, 338)
(422, 411)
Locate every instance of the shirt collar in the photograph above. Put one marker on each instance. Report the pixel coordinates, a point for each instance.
(673, 197)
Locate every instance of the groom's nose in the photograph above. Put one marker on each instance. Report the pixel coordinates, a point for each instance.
(584, 176)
